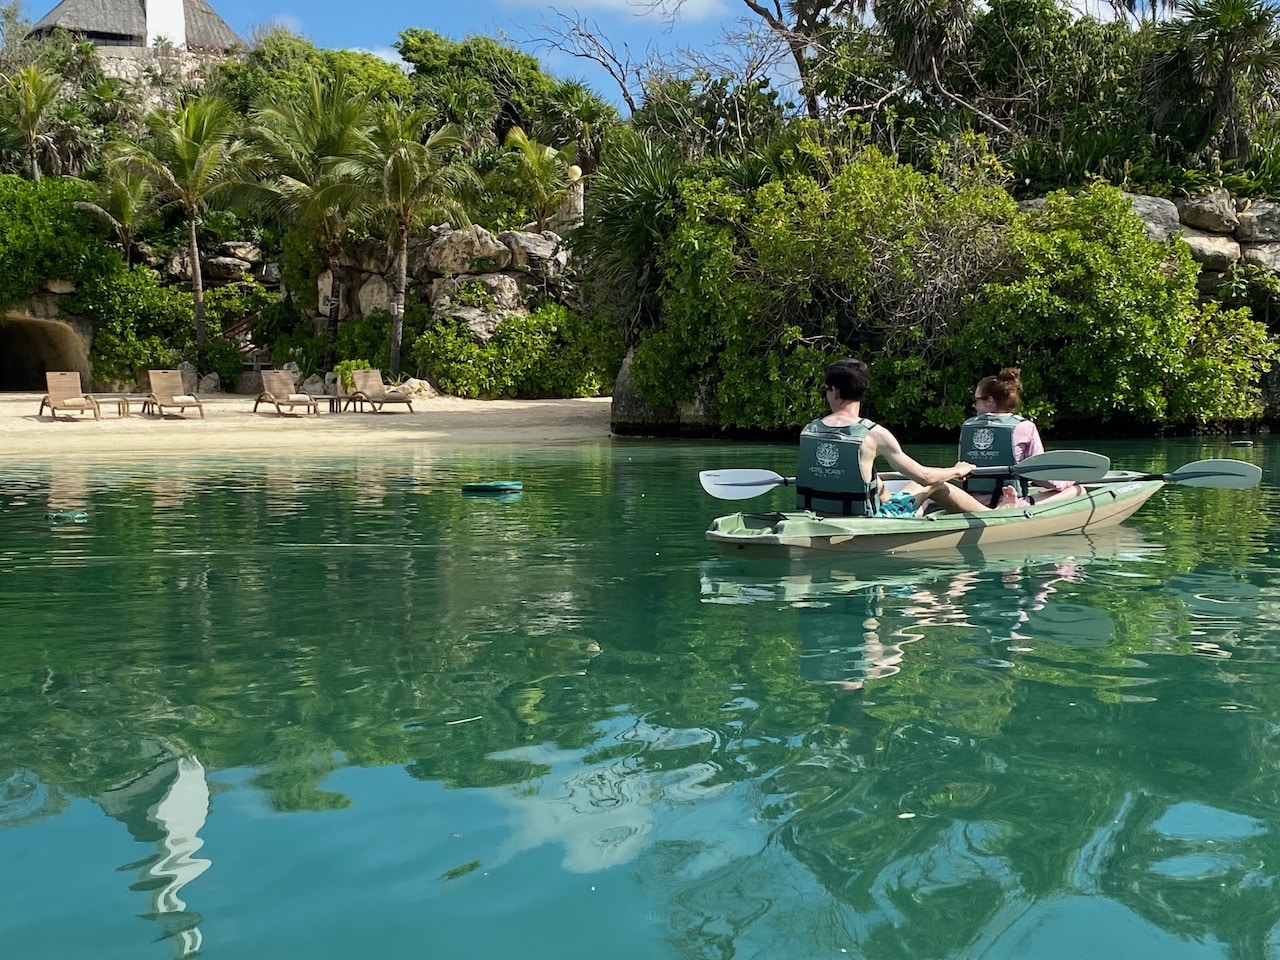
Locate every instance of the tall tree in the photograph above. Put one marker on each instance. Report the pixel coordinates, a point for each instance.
(1229, 51)
(311, 146)
(126, 200)
(30, 93)
(194, 154)
(413, 181)
(545, 172)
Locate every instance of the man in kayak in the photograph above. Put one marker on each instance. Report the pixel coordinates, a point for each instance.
(836, 473)
(996, 436)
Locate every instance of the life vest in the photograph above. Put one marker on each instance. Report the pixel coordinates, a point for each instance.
(829, 473)
(987, 441)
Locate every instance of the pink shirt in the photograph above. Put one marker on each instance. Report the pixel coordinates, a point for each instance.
(1027, 443)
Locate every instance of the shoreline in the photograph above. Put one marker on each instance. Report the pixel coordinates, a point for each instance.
(230, 425)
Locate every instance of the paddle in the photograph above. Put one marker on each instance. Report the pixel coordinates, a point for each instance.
(1227, 474)
(1076, 466)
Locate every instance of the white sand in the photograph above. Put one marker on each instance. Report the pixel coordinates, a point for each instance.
(230, 425)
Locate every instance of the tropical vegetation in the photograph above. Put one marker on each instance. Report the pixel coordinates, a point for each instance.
(850, 183)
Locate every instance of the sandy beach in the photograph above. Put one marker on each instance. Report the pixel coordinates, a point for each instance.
(231, 425)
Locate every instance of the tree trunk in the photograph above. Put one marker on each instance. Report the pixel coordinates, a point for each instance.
(332, 312)
(197, 280)
(397, 301)
(35, 163)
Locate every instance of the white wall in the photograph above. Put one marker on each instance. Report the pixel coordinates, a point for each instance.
(166, 20)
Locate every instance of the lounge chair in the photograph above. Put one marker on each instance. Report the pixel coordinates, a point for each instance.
(166, 391)
(65, 395)
(278, 390)
(370, 389)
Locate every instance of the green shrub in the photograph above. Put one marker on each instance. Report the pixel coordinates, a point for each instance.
(139, 322)
(370, 337)
(551, 352)
(345, 368)
(223, 357)
(1108, 326)
(302, 346)
(43, 237)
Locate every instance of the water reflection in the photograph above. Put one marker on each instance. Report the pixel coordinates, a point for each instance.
(166, 806)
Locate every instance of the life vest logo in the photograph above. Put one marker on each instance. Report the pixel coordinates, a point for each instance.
(828, 454)
(983, 439)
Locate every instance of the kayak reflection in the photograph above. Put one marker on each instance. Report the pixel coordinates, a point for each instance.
(853, 617)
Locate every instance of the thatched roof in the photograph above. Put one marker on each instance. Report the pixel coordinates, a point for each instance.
(122, 20)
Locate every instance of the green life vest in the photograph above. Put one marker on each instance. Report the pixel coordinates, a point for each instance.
(987, 441)
(829, 473)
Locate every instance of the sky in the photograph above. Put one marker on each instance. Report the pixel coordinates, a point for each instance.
(374, 25)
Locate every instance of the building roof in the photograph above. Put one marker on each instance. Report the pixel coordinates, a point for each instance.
(127, 18)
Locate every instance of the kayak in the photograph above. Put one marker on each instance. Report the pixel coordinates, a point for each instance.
(806, 534)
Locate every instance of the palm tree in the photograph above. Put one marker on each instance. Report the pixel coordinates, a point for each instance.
(126, 200)
(311, 147)
(30, 93)
(572, 113)
(546, 173)
(1229, 50)
(194, 155)
(413, 181)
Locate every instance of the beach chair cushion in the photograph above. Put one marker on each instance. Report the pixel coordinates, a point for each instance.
(300, 397)
(185, 398)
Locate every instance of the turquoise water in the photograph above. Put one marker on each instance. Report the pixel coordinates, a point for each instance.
(333, 708)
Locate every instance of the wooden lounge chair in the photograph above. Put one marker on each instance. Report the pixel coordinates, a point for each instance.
(370, 389)
(278, 390)
(66, 396)
(166, 391)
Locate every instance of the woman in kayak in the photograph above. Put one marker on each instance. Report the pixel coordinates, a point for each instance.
(996, 436)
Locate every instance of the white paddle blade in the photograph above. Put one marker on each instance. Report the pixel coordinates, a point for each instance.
(738, 484)
(1228, 474)
(1072, 466)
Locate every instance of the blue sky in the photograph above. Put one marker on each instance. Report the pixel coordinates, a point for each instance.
(375, 24)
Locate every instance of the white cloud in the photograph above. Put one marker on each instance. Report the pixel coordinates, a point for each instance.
(389, 54)
(691, 11)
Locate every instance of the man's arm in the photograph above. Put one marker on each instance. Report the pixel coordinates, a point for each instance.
(888, 447)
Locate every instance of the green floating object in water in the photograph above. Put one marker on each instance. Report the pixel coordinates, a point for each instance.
(67, 516)
(493, 486)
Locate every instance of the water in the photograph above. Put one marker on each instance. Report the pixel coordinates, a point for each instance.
(330, 708)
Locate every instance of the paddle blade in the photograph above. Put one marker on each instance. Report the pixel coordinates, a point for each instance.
(1069, 466)
(738, 484)
(1228, 474)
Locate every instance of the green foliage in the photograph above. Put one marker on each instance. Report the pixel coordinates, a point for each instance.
(1107, 326)
(303, 346)
(139, 323)
(761, 288)
(219, 355)
(275, 72)
(301, 267)
(473, 293)
(517, 82)
(43, 236)
(369, 337)
(344, 369)
(1256, 288)
(549, 353)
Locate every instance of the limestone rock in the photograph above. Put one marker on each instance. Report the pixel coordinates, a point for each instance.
(268, 274)
(1259, 222)
(543, 255)
(190, 378)
(416, 389)
(226, 268)
(210, 383)
(466, 251)
(178, 264)
(1212, 251)
(326, 288)
(314, 385)
(367, 256)
(1160, 215)
(1265, 255)
(375, 294)
(241, 250)
(630, 415)
(1214, 211)
(60, 286)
